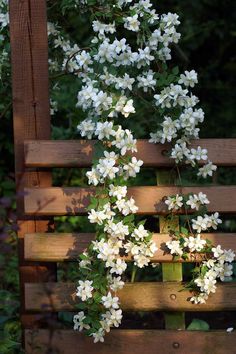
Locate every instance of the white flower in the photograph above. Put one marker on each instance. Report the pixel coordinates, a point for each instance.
(201, 223)
(207, 170)
(174, 247)
(4, 19)
(141, 260)
(106, 166)
(189, 78)
(170, 19)
(86, 128)
(174, 203)
(83, 60)
(98, 336)
(146, 80)
(78, 322)
(124, 141)
(179, 152)
(96, 217)
(132, 23)
(172, 96)
(114, 317)
(227, 271)
(115, 283)
(140, 233)
(230, 329)
(209, 285)
(128, 108)
(120, 45)
(117, 230)
(194, 243)
(156, 137)
(104, 130)
(196, 200)
(198, 154)
(217, 251)
(101, 28)
(199, 299)
(84, 263)
(101, 102)
(84, 290)
(124, 83)
(110, 302)
(127, 206)
(93, 177)
(170, 128)
(117, 191)
(229, 255)
(107, 251)
(213, 220)
(133, 167)
(118, 266)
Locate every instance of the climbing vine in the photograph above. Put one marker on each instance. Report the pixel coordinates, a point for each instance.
(115, 74)
(125, 62)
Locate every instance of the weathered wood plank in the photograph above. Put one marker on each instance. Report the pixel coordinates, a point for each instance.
(134, 297)
(79, 153)
(72, 201)
(31, 119)
(131, 341)
(54, 247)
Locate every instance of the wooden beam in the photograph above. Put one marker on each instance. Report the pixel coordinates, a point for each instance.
(31, 118)
(156, 296)
(131, 341)
(58, 247)
(73, 201)
(79, 153)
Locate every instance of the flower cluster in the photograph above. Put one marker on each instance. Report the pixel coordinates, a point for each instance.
(113, 75)
(217, 262)
(180, 129)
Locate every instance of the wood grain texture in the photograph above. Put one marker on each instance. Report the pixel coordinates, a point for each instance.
(72, 201)
(54, 247)
(134, 297)
(79, 153)
(31, 120)
(131, 341)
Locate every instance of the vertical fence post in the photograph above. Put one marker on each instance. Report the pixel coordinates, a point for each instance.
(31, 119)
(170, 271)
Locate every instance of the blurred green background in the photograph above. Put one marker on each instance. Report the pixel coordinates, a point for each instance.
(208, 30)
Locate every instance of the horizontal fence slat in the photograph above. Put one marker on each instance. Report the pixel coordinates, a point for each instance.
(79, 153)
(147, 296)
(130, 341)
(56, 247)
(73, 201)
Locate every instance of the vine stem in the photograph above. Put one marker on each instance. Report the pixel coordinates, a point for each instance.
(185, 209)
(133, 275)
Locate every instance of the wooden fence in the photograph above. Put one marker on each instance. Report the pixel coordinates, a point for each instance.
(40, 248)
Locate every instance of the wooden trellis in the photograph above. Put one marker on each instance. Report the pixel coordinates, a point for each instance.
(40, 248)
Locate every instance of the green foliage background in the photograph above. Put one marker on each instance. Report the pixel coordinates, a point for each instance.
(208, 30)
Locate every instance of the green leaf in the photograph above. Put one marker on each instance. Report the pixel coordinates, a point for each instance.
(184, 231)
(198, 325)
(80, 306)
(128, 219)
(98, 151)
(175, 70)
